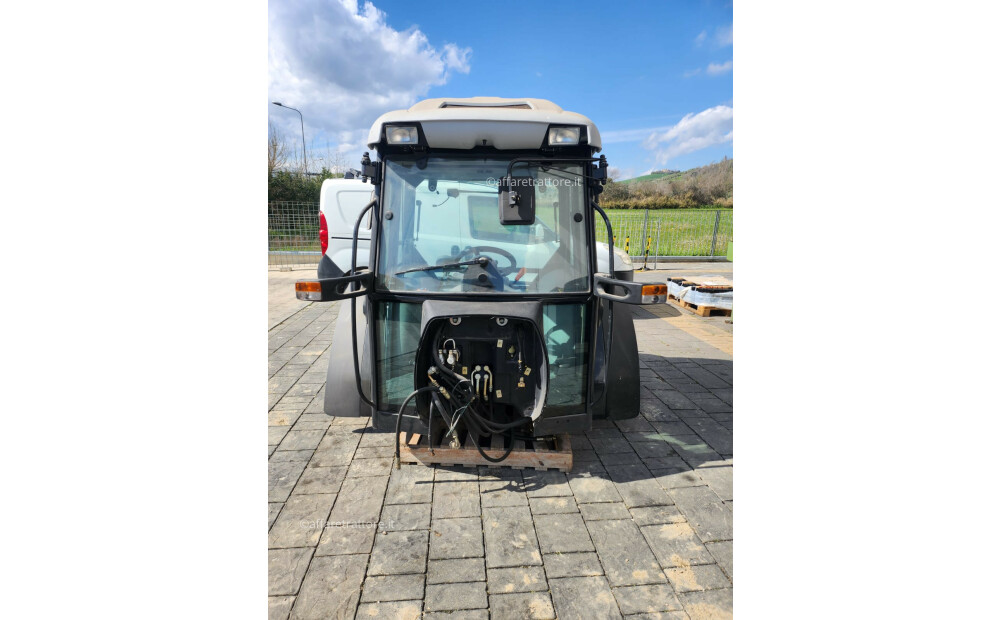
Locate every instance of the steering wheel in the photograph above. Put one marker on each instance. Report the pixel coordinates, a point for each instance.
(475, 250)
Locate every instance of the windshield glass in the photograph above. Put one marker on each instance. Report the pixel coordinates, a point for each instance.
(441, 230)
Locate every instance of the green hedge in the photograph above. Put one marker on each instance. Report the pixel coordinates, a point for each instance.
(292, 187)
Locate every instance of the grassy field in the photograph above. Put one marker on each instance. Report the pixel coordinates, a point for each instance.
(670, 232)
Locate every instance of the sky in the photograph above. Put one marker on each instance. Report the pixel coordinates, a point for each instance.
(656, 78)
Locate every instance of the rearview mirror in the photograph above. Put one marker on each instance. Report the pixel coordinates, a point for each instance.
(517, 200)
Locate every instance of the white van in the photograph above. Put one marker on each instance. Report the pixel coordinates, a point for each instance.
(340, 202)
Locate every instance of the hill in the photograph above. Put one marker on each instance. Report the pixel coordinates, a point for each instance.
(654, 176)
(705, 186)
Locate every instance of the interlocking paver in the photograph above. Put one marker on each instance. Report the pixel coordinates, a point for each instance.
(693, 449)
(376, 452)
(719, 478)
(708, 605)
(718, 437)
(276, 433)
(452, 596)
(649, 599)
(709, 516)
(620, 458)
(591, 483)
(311, 425)
(456, 494)
(410, 484)
(393, 588)
(405, 517)
(675, 400)
(379, 466)
(722, 551)
(346, 540)
(272, 512)
(398, 553)
(656, 515)
(552, 505)
(637, 487)
(583, 597)
(282, 476)
(331, 588)
(697, 577)
(336, 449)
(604, 511)
(291, 455)
(456, 571)
(510, 537)
(279, 606)
(285, 570)
(519, 579)
(624, 553)
(320, 480)
(301, 521)
(456, 538)
(533, 605)
(502, 488)
(301, 440)
(572, 565)
(280, 418)
(676, 545)
(562, 533)
(398, 610)
(465, 614)
(359, 500)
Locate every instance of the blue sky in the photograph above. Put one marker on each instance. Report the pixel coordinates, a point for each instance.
(656, 78)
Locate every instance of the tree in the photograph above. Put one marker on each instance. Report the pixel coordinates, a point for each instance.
(277, 151)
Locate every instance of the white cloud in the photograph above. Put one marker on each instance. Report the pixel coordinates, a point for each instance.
(342, 66)
(628, 135)
(692, 133)
(698, 40)
(692, 72)
(717, 69)
(724, 36)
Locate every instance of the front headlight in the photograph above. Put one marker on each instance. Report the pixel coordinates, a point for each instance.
(401, 135)
(564, 135)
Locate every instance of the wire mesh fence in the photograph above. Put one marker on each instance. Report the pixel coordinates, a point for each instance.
(293, 233)
(670, 232)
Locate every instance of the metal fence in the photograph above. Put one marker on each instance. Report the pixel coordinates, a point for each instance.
(293, 233)
(670, 232)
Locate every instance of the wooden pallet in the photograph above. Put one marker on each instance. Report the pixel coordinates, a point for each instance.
(701, 310)
(542, 455)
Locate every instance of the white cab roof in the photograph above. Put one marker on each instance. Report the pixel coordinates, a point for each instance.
(503, 123)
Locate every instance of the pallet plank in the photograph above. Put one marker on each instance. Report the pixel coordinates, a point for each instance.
(560, 457)
(701, 310)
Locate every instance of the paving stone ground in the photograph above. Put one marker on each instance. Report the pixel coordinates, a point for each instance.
(641, 528)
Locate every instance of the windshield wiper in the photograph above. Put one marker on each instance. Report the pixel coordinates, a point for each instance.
(482, 260)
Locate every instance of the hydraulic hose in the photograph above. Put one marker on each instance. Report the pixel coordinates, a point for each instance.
(399, 415)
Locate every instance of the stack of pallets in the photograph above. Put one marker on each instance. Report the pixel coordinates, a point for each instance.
(681, 287)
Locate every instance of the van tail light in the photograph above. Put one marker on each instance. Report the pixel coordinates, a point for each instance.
(324, 233)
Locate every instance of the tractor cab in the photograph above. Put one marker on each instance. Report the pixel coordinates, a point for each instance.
(490, 309)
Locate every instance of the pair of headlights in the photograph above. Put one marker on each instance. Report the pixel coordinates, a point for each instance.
(408, 134)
